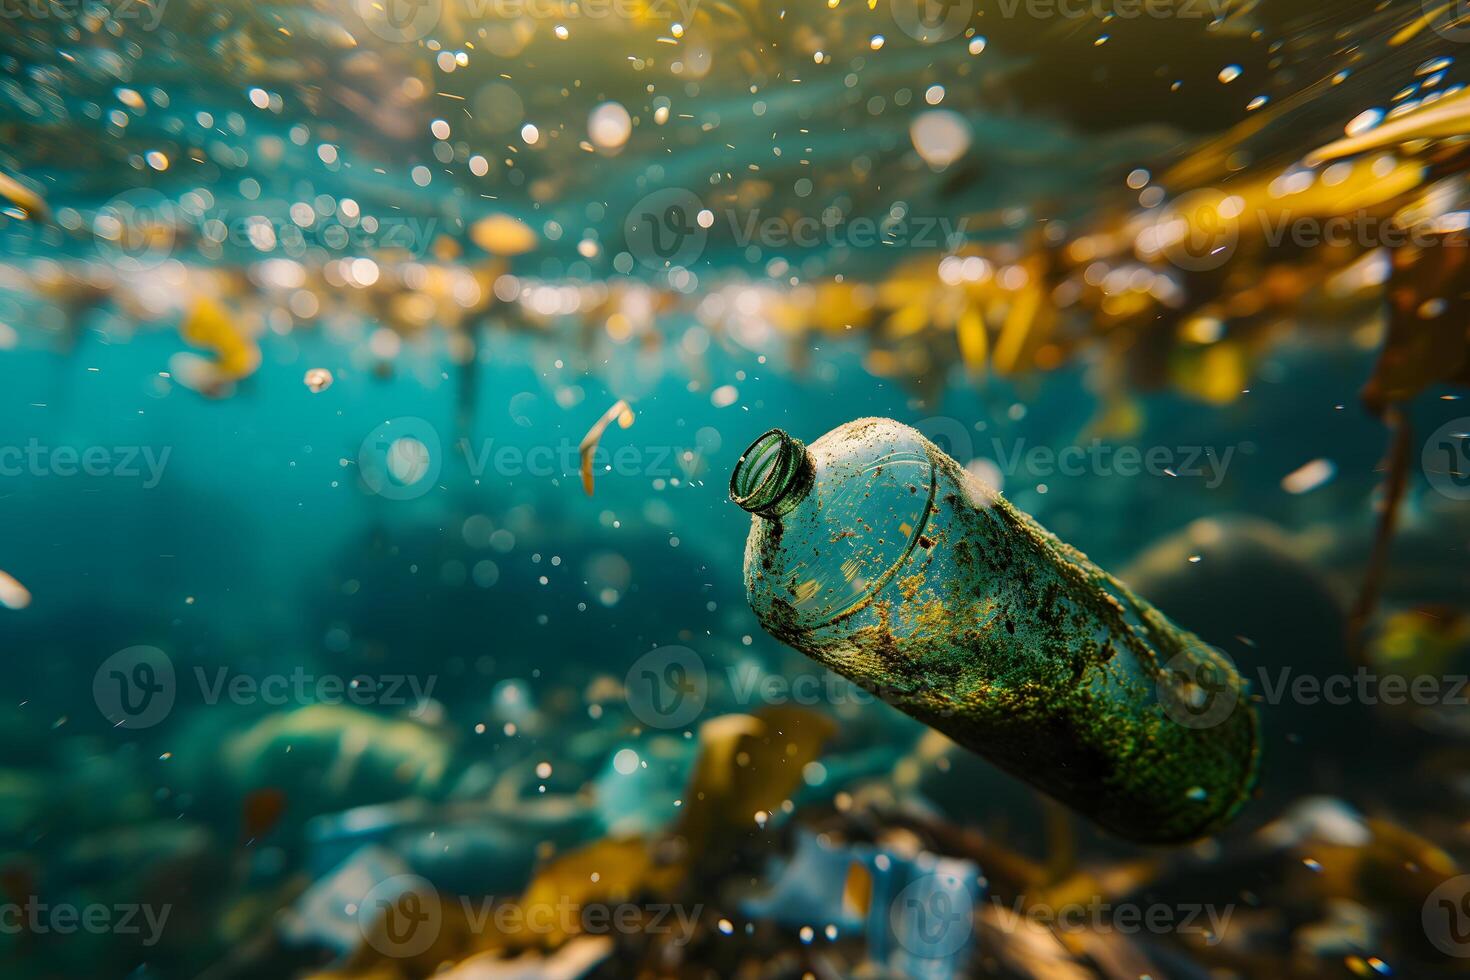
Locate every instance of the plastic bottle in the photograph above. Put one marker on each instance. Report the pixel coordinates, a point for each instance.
(878, 556)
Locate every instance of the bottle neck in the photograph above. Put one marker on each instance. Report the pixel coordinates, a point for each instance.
(772, 476)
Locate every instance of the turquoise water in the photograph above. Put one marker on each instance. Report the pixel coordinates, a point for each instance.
(269, 641)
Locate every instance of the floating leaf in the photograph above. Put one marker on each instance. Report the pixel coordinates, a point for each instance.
(1428, 339)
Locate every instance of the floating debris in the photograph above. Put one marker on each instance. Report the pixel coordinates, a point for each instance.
(502, 234)
(1309, 476)
(13, 595)
(318, 380)
(29, 201)
(587, 449)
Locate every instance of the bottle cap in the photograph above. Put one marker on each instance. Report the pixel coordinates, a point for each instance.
(772, 475)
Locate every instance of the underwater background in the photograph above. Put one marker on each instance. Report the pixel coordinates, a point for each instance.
(371, 378)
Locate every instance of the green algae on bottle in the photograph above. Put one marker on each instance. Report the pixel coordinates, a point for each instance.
(880, 557)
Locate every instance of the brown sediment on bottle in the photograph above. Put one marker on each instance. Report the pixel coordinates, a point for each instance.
(909, 585)
(1098, 748)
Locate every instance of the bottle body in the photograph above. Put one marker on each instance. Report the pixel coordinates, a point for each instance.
(899, 570)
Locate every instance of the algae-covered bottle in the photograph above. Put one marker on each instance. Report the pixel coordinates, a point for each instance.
(878, 556)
